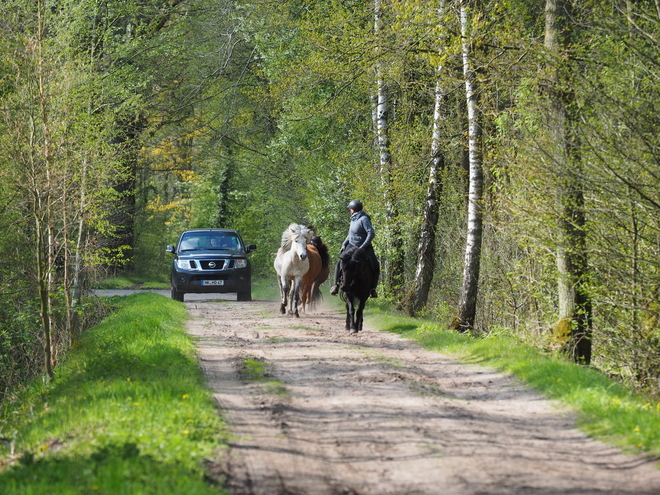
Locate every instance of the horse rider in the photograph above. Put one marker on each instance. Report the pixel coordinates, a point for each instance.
(360, 235)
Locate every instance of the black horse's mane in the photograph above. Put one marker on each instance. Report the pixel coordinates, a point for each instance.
(353, 254)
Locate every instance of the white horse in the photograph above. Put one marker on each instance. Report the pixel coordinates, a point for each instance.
(291, 264)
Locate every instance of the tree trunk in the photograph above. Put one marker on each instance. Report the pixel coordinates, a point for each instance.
(45, 307)
(43, 208)
(81, 239)
(573, 330)
(472, 262)
(394, 261)
(426, 248)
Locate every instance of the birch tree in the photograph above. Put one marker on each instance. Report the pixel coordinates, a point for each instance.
(426, 248)
(472, 261)
(394, 259)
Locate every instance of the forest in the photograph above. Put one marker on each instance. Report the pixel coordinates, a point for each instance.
(507, 152)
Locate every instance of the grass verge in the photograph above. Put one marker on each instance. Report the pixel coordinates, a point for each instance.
(606, 410)
(265, 289)
(126, 413)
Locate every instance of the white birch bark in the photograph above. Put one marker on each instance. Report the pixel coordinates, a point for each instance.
(472, 262)
(393, 262)
(382, 136)
(426, 248)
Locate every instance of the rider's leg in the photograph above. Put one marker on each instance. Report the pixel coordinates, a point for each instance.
(334, 290)
(376, 275)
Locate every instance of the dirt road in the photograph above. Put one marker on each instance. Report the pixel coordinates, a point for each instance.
(374, 414)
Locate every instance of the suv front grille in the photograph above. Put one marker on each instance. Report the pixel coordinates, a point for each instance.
(214, 264)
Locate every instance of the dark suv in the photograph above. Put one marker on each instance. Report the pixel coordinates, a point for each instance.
(211, 261)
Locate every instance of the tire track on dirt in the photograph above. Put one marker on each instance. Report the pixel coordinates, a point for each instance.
(376, 414)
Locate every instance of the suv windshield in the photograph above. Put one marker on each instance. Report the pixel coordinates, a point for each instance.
(205, 241)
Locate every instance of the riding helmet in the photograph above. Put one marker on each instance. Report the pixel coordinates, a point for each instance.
(355, 205)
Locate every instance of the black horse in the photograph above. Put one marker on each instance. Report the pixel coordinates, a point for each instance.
(357, 275)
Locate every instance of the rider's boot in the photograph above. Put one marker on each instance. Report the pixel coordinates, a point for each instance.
(334, 290)
(373, 293)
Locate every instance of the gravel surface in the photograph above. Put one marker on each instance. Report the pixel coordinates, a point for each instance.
(376, 414)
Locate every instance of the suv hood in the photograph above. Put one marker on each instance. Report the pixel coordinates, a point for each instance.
(206, 253)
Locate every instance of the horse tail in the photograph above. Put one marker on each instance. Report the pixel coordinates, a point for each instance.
(317, 296)
(322, 276)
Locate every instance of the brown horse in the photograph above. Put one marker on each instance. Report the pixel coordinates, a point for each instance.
(313, 295)
(308, 278)
(311, 286)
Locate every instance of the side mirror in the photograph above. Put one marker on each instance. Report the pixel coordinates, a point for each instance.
(250, 247)
(169, 249)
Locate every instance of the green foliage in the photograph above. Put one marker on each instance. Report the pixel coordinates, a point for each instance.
(252, 115)
(20, 349)
(127, 413)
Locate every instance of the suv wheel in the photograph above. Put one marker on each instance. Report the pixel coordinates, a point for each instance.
(176, 295)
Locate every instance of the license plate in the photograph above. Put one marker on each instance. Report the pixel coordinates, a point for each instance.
(213, 282)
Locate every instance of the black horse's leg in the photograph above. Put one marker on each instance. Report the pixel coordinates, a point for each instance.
(358, 317)
(354, 315)
(350, 313)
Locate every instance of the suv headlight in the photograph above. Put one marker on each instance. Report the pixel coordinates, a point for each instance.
(185, 264)
(240, 264)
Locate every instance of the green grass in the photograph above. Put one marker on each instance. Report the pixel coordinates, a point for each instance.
(606, 409)
(266, 289)
(126, 414)
(256, 370)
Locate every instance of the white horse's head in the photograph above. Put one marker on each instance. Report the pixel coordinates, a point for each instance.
(297, 237)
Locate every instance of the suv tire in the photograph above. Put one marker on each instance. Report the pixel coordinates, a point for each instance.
(176, 295)
(244, 296)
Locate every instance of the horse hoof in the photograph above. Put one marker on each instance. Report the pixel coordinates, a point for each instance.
(353, 332)
(282, 310)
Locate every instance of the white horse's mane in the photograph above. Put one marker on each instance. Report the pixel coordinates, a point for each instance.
(293, 232)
